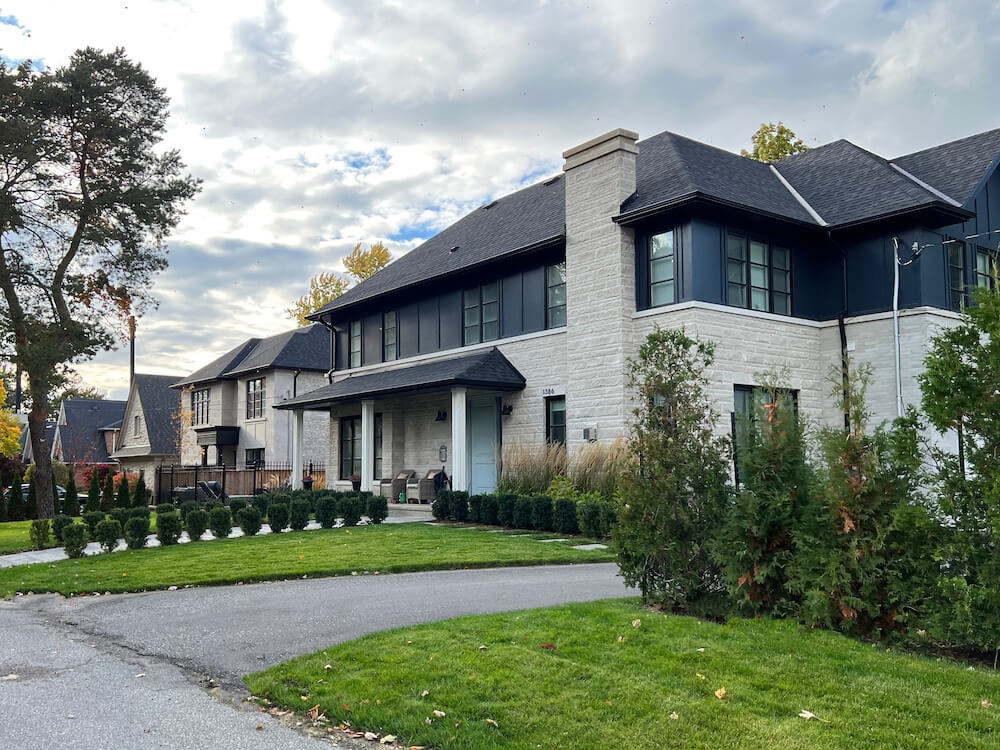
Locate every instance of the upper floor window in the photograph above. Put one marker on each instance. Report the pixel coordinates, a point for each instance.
(555, 295)
(355, 350)
(136, 425)
(662, 290)
(555, 419)
(956, 274)
(389, 340)
(984, 268)
(481, 313)
(758, 275)
(255, 398)
(199, 406)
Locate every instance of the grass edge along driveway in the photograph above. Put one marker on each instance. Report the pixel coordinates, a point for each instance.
(384, 548)
(610, 674)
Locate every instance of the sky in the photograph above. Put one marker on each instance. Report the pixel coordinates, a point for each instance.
(317, 124)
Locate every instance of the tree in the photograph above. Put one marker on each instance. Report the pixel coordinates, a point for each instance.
(31, 501)
(85, 210)
(71, 506)
(10, 430)
(93, 494)
(108, 493)
(140, 495)
(66, 383)
(773, 142)
(327, 286)
(123, 499)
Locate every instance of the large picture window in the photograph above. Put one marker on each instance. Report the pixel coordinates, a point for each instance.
(481, 313)
(555, 295)
(555, 419)
(350, 447)
(662, 288)
(199, 406)
(355, 351)
(758, 275)
(390, 346)
(255, 398)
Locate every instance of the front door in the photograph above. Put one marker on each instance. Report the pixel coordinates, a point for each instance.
(484, 440)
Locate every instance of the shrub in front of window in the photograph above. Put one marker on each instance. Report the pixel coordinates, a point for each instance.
(505, 510)
(326, 511)
(377, 509)
(91, 519)
(350, 508)
(59, 523)
(196, 523)
(136, 531)
(441, 505)
(249, 519)
(522, 512)
(564, 519)
(168, 528)
(108, 532)
(220, 522)
(277, 516)
(39, 533)
(541, 513)
(299, 513)
(488, 513)
(458, 506)
(74, 539)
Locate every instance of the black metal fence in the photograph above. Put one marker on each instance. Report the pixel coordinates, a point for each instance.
(246, 480)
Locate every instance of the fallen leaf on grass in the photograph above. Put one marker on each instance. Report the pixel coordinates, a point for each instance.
(636, 623)
(439, 714)
(674, 716)
(493, 723)
(721, 693)
(700, 650)
(699, 675)
(370, 736)
(387, 739)
(549, 646)
(346, 707)
(425, 693)
(810, 716)
(483, 648)
(985, 703)
(427, 720)
(328, 667)
(622, 639)
(314, 712)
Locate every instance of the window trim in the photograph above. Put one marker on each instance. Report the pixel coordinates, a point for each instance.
(991, 260)
(135, 425)
(747, 265)
(650, 261)
(354, 353)
(958, 297)
(200, 401)
(256, 398)
(386, 344)
(549, 401)
(480, 325)
(246, 456)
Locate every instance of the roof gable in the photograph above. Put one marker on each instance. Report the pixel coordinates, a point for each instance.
(81, 438)
(959, 168)
(160, 406)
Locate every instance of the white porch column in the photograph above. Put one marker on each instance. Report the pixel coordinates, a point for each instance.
(459, 457)
(297, 423)
(367, 444)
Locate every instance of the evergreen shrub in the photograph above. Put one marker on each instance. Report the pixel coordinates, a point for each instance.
(326, 511)
(564, 519)
(166, 508)
(260, 502)
(123, 498)
(31, 503)
(74, 539)
(476, 508)
(505, 510)
(236, 505)
(250, 520)
(136, 531)
(93, 494)
(277, 516)
(187, 507)
(15, 503)
(377, 509)
(541, 513)
(350, 509)
(220, 522)
(458, 506)
(299, 513)
(108, 493)
(121, 515)
(168, 528)
(108, 532)
(59, 523)
(522, 512)
(196, 523)
(140, 493)
(441, 505)
(39, 533)
(488, 513)
(71, 503)
(91, 519)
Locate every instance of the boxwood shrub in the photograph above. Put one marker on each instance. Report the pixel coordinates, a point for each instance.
(300, 513)
(488, 514)
(522, 512)
(458, 508)
(235, 506)
(377, 509)
(168, 528)
(350, 509)
(141, 511)
(541, 513)
(91, 519)
(476, 508)
(260, 502)
(187, 506)
(136, 531)
(249, 520)
(165, 508)
(277, 516)
(220, 522)
(326, 511)
(108, 532)
(441, 506)
(121, 514)
(564, 520)
(196, 523)
(595, 517)
(59, 523)
(39, 533)
(74, 539)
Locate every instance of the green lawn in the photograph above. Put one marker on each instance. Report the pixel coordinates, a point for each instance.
(14, 537)
(387, 548)
(654, 689)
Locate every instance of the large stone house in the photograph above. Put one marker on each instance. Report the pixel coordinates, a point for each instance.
(150, 433)
(516, 322)
(227, 403)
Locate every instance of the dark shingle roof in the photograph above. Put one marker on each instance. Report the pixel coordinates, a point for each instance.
(80, 438)
(516, 222)
(956, 168)
(488, 369)
(160, 405)
(305, 348)
(846, 184)
(670, 167)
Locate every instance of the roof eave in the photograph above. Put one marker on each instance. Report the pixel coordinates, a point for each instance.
(627, 218)
(958, 214)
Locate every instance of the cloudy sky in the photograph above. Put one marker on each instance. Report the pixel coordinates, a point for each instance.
(316, 124)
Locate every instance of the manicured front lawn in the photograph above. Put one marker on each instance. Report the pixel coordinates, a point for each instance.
(14, 537)
(656, 688)
(389, 548)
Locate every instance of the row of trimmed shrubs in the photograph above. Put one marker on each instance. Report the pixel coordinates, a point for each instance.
(280, 512)
(591, 517)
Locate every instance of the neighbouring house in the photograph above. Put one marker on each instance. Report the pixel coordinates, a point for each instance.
(151, 427)
(516, 322)
(85, 432)
(228, 401)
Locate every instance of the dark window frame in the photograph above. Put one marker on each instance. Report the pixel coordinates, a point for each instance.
(958, 288)
(377, 455)
(552, 430)
(984, 278)
(555, 314)
(254, 457)
(743, 396)
(200, 400)
(349, 438)
(652, 262)
(355, 344)
(477, 299)
(748, 277)
(256, 391)
(390, 336)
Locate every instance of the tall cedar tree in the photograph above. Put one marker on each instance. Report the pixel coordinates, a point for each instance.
(757, 552)
(140, 494)
(108, 493)
(961, 393)
(676, 500)
(85, 210)
(93, 493)
(71, 504)
(57, 506)
(15, 499)
(31, 502)
(123, 498)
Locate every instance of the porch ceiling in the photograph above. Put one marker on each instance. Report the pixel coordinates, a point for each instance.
(489, 369)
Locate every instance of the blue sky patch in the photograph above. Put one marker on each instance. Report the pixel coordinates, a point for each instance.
(378, 159)
(11, 21)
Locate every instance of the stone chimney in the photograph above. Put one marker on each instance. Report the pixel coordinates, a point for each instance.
(600, 284)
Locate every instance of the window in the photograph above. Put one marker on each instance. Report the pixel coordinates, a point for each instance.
(255, 398)
(758, 275)
(662, 290)
(752, 403)
(255, 456)
(355, 343)
(377, 474)
(199, 406)
(956, 274)
(350, 447)
(555, 419)
(555, 295)
(389, 340)
(481, 313)
(135, 425)
(984, 268)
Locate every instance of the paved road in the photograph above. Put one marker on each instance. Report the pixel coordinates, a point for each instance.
(180, 639)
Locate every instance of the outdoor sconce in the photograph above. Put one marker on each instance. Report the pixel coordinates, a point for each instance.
(506, 410)
(442, 416)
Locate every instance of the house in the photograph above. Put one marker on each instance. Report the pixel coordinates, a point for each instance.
(151, 427)
(516, 322)
(26, 451)
(85, 432)
(228, 401)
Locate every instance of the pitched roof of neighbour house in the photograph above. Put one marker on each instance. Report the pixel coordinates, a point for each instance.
(159, 411)
(486, 369)
(306, 348)
(837, 185)
(25, 440)
(82, 422)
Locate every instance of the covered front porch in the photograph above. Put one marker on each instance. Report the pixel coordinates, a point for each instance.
(441, 415)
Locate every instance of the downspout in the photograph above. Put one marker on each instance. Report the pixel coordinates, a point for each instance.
(333, 349)
(895, 325)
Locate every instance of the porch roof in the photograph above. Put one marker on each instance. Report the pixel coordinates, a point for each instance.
(489, 369)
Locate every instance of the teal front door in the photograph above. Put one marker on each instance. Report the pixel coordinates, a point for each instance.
(483, 448)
